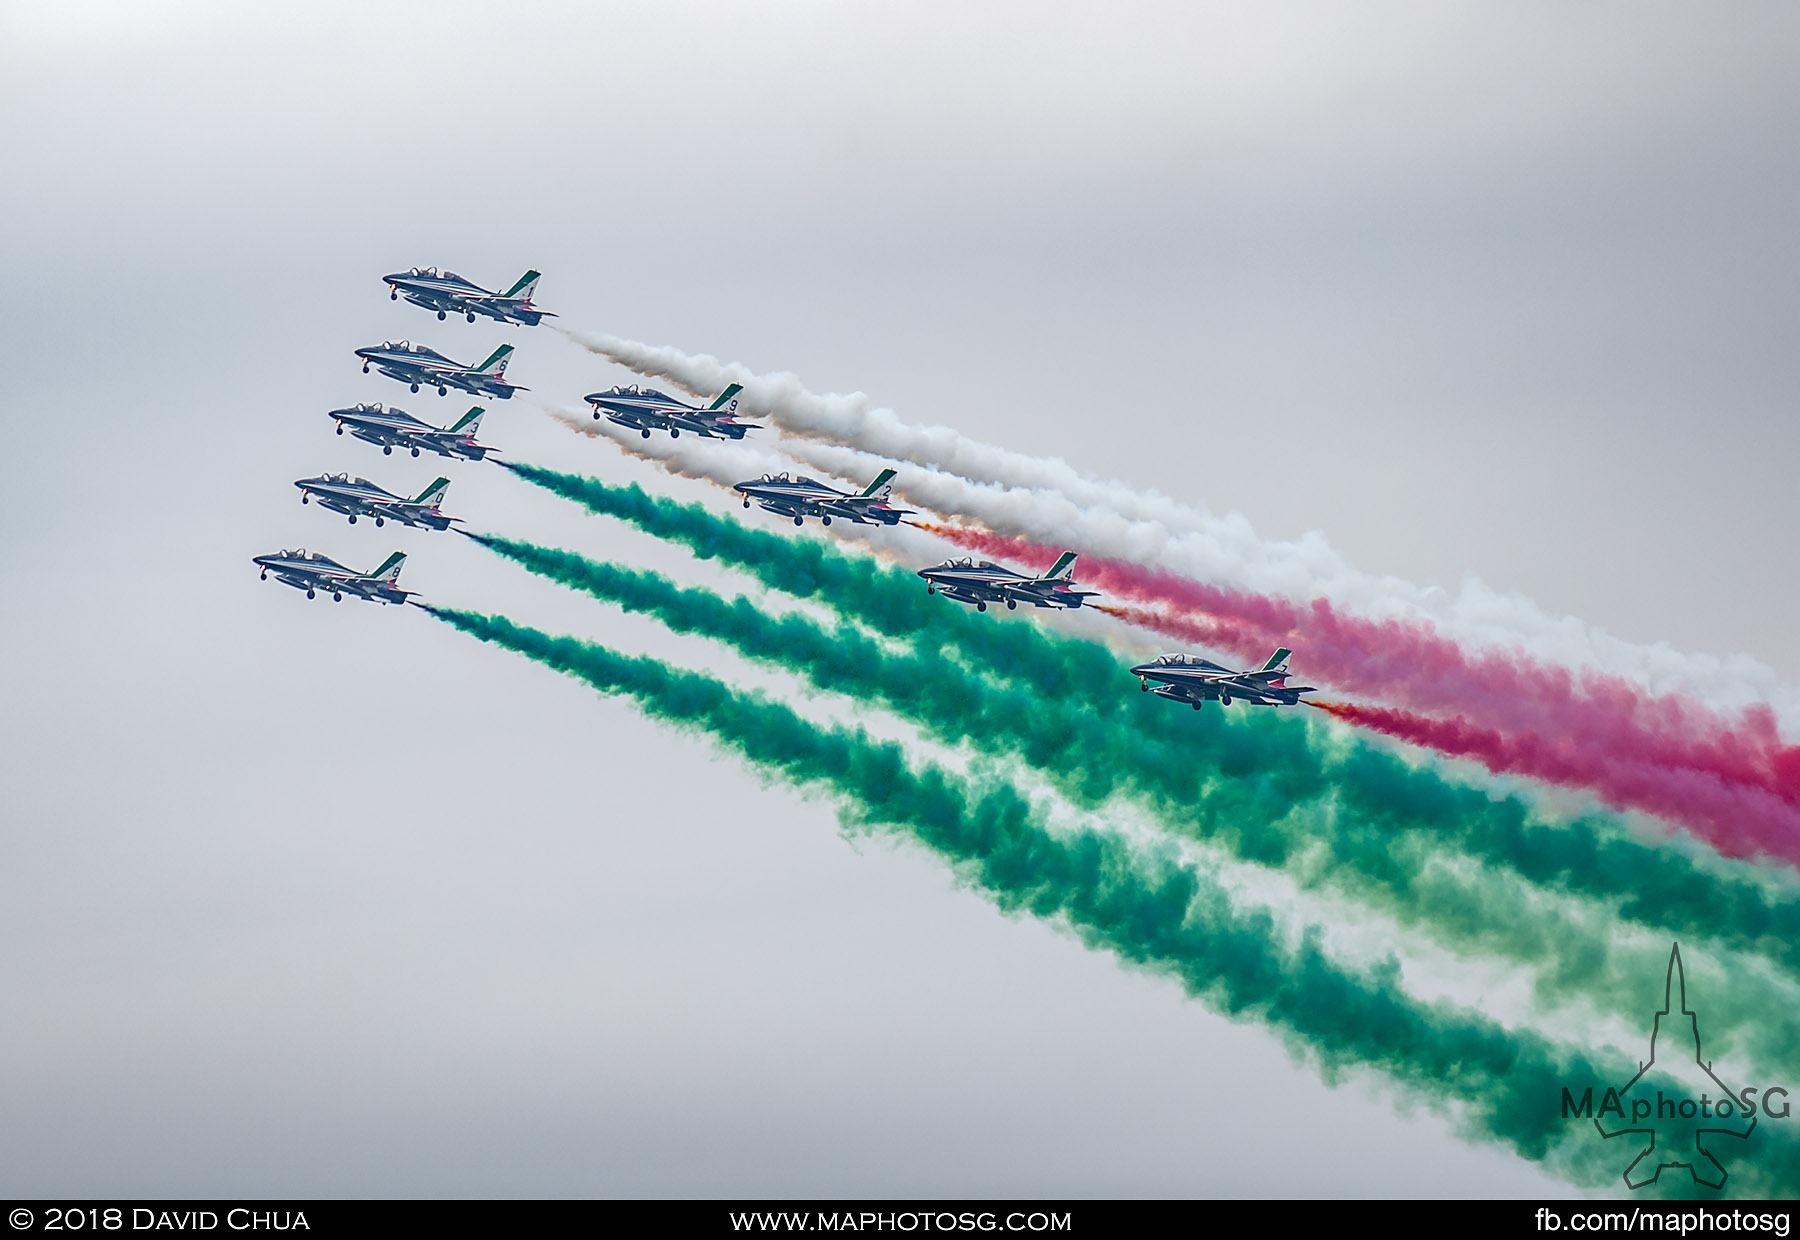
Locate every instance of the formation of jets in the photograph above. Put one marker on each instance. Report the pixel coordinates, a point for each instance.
(804, 497)
(646, 410)
(1177, 677)
(418, 366)
(982, 582)
(396, 428)
(448, 293)
(358, 497)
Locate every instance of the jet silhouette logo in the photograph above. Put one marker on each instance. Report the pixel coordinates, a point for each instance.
(1675, 1104)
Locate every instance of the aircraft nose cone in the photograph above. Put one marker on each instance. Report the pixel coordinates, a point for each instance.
(1142, 669)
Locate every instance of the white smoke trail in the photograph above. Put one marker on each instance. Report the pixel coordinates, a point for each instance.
(1048, 500)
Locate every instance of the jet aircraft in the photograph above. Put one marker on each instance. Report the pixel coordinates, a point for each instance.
(448, 293)
(422, 367)
(983, 582)
(1189, 678)
(803, 497)
(647, 409)
(312, 573)
(396, 428)
(358, 497)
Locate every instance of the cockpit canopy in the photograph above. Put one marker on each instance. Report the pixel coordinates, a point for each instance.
(424, 271)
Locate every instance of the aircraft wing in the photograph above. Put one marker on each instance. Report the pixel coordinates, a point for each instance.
(509, 309)
(790, 506)
(860, 507)
(1255, 687)
(640, 419)
(701, 422)
(1050, 593)
(372, 588)
(420, 514)
(1243, 687)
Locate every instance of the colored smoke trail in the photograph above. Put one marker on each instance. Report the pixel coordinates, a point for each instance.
(1139, 902)
(1395, 865)
(1738, 790)
(1048, 500)
(1652, 886)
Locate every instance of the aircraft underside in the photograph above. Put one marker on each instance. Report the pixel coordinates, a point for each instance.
(312, 585)
(446, 306)
(977, 601)
(1224, 697)
(443, 305)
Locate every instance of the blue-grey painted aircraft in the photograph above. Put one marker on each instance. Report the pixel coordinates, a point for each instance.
(358, 497)
(448, 293)
(1189, 678)
(396, 428)
(312, 573)
(419, 366)
(646, 410)
(803, 497)
(983, 582)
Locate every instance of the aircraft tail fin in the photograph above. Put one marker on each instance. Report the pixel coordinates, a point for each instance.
(389, 572)
(1062, 569)
(495, 366)
(524, 286)
(1277, 659)
(881, 480)
(727, 400)
(469, 422)
(433, 495)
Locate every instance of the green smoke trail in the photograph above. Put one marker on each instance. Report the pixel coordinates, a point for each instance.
(1091, 759)
(1393, 821)
(1139, 902)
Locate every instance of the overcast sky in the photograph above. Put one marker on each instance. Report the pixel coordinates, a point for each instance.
(303, 899)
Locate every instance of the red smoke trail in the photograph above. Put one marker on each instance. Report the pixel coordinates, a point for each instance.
(1744, 821)
(1733, 781)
